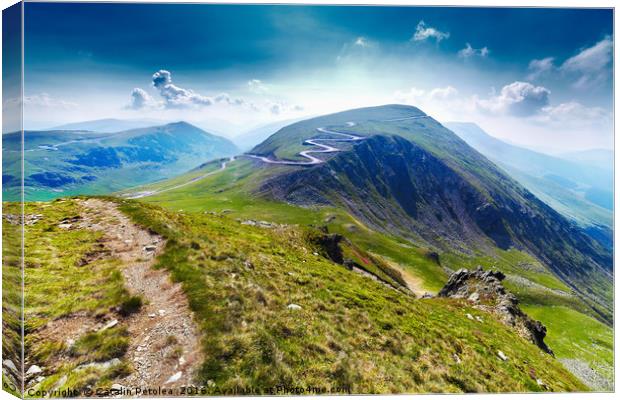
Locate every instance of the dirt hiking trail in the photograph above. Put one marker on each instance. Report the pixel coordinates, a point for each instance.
(165, 346)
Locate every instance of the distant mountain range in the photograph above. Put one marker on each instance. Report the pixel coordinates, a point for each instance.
(579, 185)
(600, 158)
(64, 162)
(108, 125)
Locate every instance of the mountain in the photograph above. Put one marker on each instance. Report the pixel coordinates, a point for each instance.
(599, 158)
(580, 192)
(414, 177)
(256, 135)
(415, 202)
(108, 125)
(64, 162)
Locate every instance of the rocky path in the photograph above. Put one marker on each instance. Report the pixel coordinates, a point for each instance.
(165, 346)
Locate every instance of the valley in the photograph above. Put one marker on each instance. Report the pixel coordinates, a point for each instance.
(70, 162)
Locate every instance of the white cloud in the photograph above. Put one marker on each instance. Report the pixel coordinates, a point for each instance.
(225, 98)
(177, 98)
(423, 32)
(591, 65)
(257, 86)
(469, 51)
(538, 68)
(442, 93)
(44, 100)
(281, 107)
(174, 96)
(426, 98)
(361, 41)
(139, 99)
(518, 99)
(575, 114)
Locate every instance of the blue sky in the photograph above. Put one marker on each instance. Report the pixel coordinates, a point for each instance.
(531, 76)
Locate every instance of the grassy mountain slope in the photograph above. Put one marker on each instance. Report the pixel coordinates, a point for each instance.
(566, 185)
(240, 280)
(419, 179)
(59, 163)
(287, 142)
(247, 190)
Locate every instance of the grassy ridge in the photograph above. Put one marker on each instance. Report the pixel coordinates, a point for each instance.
(59, 287)
(350, 331)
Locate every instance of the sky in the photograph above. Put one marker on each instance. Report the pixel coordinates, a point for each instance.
(540, 77)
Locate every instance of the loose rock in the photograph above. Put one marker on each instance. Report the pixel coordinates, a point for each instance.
(174, 377)
(109, 325)
(10, 365)
(487, 289)
(34, 370)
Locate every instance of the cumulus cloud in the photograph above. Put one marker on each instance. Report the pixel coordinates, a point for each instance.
(469, 51)
(424, 32)
(139, 99)
(518, 99)
(591, 65)
(539, 68)
(174, 96)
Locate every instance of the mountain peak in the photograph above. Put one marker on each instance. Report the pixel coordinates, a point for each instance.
(182, 124)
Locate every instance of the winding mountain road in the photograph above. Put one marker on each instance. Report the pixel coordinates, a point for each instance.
(324, 148)
(148, 193)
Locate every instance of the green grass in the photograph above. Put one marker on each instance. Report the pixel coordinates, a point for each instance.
(101, 346)
(52, 261)
(58, 284)
(573, 335)
(11, 291)
(230, 192)
(351, 331)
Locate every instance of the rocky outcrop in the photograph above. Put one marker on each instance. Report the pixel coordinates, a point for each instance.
(329, 244)
(485, 290)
